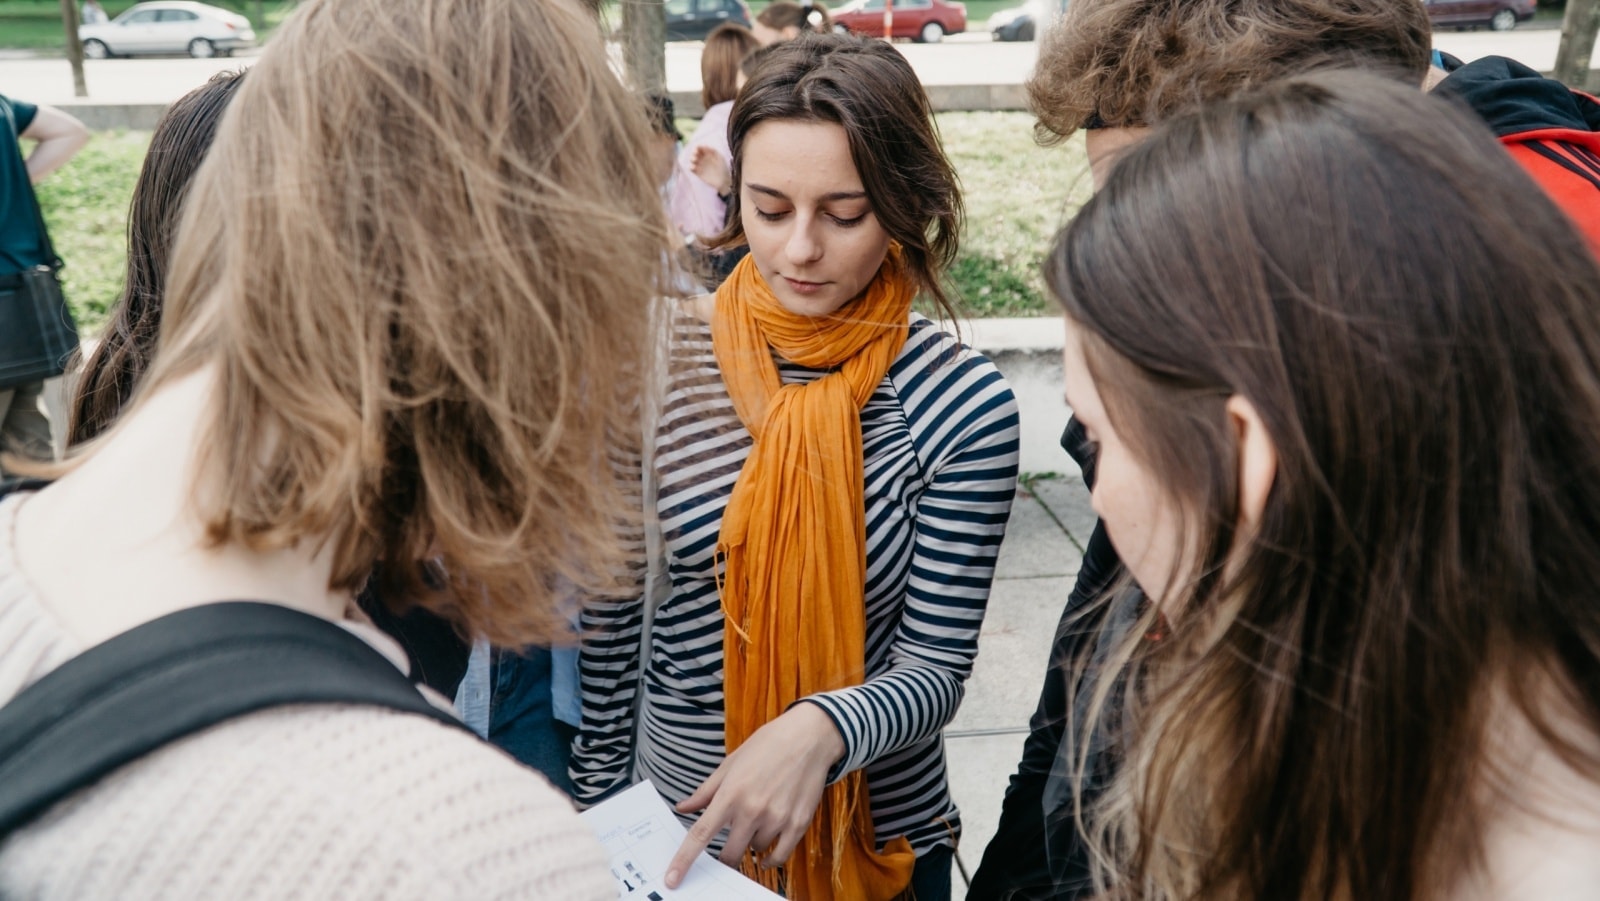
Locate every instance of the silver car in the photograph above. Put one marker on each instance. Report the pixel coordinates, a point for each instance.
(168, 26)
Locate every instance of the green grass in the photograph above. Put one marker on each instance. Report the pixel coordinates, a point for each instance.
(36, 24)
(1017, 195)
(86, 207)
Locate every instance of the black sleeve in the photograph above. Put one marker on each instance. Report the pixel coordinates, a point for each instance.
(437, 653)
(1075, 441)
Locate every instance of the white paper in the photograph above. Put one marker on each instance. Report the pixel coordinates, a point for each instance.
(641, 835)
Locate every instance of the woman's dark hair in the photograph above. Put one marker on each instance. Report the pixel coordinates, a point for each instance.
(867, 88)
(807, 17)
(752, 61)
(179, 143)
(1418, 327)
(726, 48)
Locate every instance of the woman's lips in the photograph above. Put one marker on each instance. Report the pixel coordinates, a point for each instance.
(800, 287)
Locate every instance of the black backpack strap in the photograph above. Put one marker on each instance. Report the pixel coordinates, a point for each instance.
(11, 484)
(173, 677)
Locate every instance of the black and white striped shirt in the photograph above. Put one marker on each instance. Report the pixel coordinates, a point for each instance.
(940, 447)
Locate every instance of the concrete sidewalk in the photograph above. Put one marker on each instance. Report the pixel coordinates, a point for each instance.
(1050, 523)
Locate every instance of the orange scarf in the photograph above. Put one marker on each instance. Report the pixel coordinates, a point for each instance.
(794, 537)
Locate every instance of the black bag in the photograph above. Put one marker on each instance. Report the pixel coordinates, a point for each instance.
(37, 334)
(173, 677)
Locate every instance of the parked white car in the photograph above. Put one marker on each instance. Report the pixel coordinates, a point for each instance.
(168, 26)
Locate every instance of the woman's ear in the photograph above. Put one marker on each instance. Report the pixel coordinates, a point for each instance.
(1258, 461)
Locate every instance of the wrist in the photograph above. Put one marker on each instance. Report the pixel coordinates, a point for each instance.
(828, 746)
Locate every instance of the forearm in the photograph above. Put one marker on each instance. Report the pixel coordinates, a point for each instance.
(886, 714)
(49, 156)
(608, 672)
(58, 135)
(59, 138)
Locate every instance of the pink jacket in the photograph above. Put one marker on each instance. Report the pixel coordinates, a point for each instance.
(692, 204)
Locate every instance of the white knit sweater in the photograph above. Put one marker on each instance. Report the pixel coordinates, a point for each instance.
(298, 802)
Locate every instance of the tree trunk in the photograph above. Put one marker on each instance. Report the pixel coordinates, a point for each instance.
(644, 44)
(1577, 42)
(69, 20)
(260, 15)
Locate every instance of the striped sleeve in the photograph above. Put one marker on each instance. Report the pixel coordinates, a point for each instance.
(608, 665)
(969, 432)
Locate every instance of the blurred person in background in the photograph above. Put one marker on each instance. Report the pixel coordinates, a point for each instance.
(699, 207)
(25, 428)
(785, 20)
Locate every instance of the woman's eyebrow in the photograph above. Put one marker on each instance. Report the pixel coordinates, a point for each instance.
(836, 195)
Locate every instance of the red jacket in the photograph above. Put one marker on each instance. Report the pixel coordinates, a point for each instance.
(1552, 130)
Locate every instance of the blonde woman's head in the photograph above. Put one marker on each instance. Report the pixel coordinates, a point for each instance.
(421, 260)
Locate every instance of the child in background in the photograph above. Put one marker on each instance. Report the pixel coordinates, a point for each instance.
(699, 207)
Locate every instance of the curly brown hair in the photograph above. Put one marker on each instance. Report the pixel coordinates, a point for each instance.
(1136, 62)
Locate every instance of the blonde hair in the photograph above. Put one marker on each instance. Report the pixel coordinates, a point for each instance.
(422, 257)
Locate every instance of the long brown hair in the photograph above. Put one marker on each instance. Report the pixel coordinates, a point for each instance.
(120, 360)
(867, 88)
(421, 260)
(1419, 328)
(726, 47)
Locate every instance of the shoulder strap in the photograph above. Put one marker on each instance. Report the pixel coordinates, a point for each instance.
(173, 677)
(12, 484)
(51, 258)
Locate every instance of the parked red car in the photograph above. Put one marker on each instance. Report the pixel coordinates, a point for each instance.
(927, 21)
(1500, 15)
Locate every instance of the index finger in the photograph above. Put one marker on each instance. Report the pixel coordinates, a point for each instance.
(695, 843)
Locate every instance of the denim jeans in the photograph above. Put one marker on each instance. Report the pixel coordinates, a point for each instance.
(522, 719)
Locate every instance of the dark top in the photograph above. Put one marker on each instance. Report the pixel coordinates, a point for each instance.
(22, 245)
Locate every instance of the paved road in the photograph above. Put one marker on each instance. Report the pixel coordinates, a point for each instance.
(965, 59)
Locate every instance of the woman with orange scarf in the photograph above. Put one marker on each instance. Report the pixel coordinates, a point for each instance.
(832, 475)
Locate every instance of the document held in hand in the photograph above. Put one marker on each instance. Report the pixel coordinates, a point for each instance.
(641, 834)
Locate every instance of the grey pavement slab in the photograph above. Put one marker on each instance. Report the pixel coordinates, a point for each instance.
(1067, 499)
(984, 741)
(1013, 649)
(1035, 544)
(1034, 375)
(979, 767)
